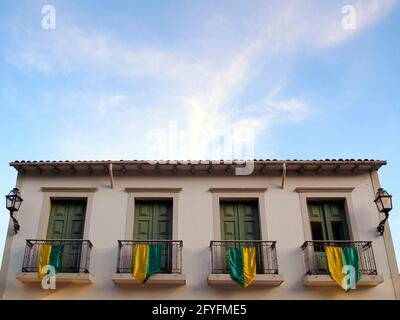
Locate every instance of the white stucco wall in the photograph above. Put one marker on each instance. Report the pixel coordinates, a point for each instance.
(196, 229)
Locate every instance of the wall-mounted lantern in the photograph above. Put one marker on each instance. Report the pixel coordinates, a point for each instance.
(383, 201)
(13, 203)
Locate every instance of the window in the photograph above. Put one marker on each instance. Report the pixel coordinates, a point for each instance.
(67, 222)
(240, 221)
(153, 221)
(328, 220)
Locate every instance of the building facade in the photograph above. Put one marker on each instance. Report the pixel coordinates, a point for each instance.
(95, 212)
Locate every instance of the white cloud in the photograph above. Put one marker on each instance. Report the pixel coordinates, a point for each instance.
(110, 102)
(366, 13)
(199, 89)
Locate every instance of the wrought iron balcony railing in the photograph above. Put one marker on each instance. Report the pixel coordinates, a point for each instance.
(267, 262)
(171, 255)
(316, 261)
(75, 255)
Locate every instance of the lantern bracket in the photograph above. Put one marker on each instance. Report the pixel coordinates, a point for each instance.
(15, 221)
(381, 227)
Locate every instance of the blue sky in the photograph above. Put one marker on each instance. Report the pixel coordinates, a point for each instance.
(112, 77)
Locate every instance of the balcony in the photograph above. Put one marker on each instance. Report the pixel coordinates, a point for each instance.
(171, 264)
(74, 261)
(317, 273)
(267, 262)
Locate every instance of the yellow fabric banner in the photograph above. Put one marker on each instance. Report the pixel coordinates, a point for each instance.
(140, 258)
(249, 266)
(44, 258)
(335, 265)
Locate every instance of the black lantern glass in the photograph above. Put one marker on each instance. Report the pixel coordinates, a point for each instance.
(383, 201)
(13, 203)
(13, 200)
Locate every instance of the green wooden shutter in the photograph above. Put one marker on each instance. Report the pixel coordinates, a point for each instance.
(67, 221)
(75, 228)
(317, 221)
(328, 222)
(229, 221)
(58, 220)
(153, 221)
(76, 217)
(143, 225)
(319, 232)
(240, 221)
(336, 221)
(249, 226)
(162, 221)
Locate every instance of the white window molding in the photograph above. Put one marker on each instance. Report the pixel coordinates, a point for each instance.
(153, 190)
(158, 279)
(323, 189)
(70, 278)
(238, 190)
(325, 280)
(260, 280)
(68, 189)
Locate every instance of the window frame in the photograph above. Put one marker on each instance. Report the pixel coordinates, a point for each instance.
(50, 194)
(326, 229)
(328, 194)
(256, 194)
(152, 194)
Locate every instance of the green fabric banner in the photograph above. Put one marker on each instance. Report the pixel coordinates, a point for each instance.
(55, 259)
(154, 259)
(350, 258)
(236, 265)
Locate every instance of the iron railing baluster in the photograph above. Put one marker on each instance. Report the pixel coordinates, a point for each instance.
(268, 262)
(75, 257)
(314, 253)
(171, 250)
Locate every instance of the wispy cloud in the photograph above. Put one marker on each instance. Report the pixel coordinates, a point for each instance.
(111, 102)
(203, 91)
(366, 13)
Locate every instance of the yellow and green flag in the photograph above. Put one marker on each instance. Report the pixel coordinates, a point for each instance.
(50, 255)
(242, 265)
(344, 266)
(146, 261)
